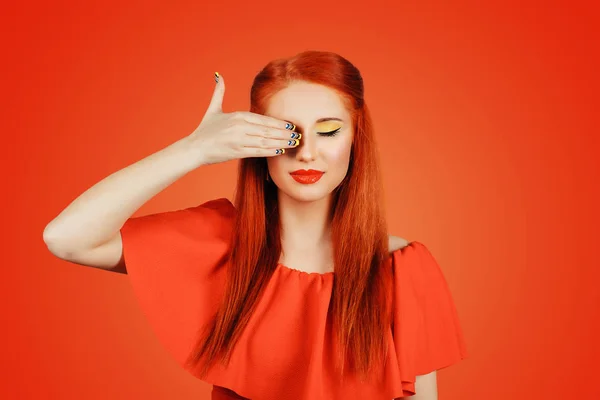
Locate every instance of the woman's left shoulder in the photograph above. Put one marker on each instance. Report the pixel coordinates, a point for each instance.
(396, 243)
(430, 336)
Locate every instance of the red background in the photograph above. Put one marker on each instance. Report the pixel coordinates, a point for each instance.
(484, 115)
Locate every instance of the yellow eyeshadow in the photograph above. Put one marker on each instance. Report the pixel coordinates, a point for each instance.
(328, 126)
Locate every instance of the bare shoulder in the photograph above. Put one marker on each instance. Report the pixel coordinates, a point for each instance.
(396, 243)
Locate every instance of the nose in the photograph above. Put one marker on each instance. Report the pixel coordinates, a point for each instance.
(307, 149)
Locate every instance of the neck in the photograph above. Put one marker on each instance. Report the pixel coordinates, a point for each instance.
(305, 225)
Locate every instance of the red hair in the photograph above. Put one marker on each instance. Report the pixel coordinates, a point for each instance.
(362, 292)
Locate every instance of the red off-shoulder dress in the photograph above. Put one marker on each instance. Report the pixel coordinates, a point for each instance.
(175, 263)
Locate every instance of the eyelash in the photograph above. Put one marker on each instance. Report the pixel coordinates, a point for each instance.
(330, 133)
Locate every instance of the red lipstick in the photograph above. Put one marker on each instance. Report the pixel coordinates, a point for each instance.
(306, 176)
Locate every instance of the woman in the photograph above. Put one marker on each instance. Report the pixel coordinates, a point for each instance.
(244, 296)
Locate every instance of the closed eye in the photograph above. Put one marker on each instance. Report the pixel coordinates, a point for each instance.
(330, 133)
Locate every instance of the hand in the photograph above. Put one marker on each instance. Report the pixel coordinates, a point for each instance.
(223, 136)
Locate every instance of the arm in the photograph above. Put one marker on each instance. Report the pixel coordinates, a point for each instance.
(87, 231)
(426, 387)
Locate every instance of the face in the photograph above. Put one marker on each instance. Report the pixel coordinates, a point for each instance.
(327, 134)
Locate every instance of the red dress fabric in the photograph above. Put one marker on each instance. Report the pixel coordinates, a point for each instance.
(176, 264)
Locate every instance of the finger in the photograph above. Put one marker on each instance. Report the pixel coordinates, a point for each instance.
(216, 102)
(260, 152)
(252, 129)
(260, 119)
(268, 143)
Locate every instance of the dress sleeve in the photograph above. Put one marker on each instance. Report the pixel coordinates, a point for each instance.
(427, 331)
(175, 261)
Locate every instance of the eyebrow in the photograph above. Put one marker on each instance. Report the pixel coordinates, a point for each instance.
(322, 120)
(328, 119)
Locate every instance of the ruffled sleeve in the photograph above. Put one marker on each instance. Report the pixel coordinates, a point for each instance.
(426, 327)
(175, 262)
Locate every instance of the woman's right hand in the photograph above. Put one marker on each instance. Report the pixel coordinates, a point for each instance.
(223, 136)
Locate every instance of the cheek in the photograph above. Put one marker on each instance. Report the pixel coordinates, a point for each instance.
(276, 164)
(339, 155)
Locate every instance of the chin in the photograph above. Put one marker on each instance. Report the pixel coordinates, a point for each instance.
(306, 193)
(309, 197)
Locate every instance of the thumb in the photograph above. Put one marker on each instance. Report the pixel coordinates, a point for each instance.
(216, 103)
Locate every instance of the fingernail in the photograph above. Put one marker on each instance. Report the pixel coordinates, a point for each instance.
(279, 151)
(217, 77)
(296, 135)
(291, 127)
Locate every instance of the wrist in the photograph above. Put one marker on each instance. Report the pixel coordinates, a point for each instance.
(189, 154)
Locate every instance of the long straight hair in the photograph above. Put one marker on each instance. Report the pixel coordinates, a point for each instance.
(362, 292)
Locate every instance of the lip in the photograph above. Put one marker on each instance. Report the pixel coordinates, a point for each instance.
(306, 176)
(307, 172)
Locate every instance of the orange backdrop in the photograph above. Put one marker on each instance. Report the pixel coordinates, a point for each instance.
(483, 115)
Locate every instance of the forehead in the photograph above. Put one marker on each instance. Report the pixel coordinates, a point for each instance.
(304, 102)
